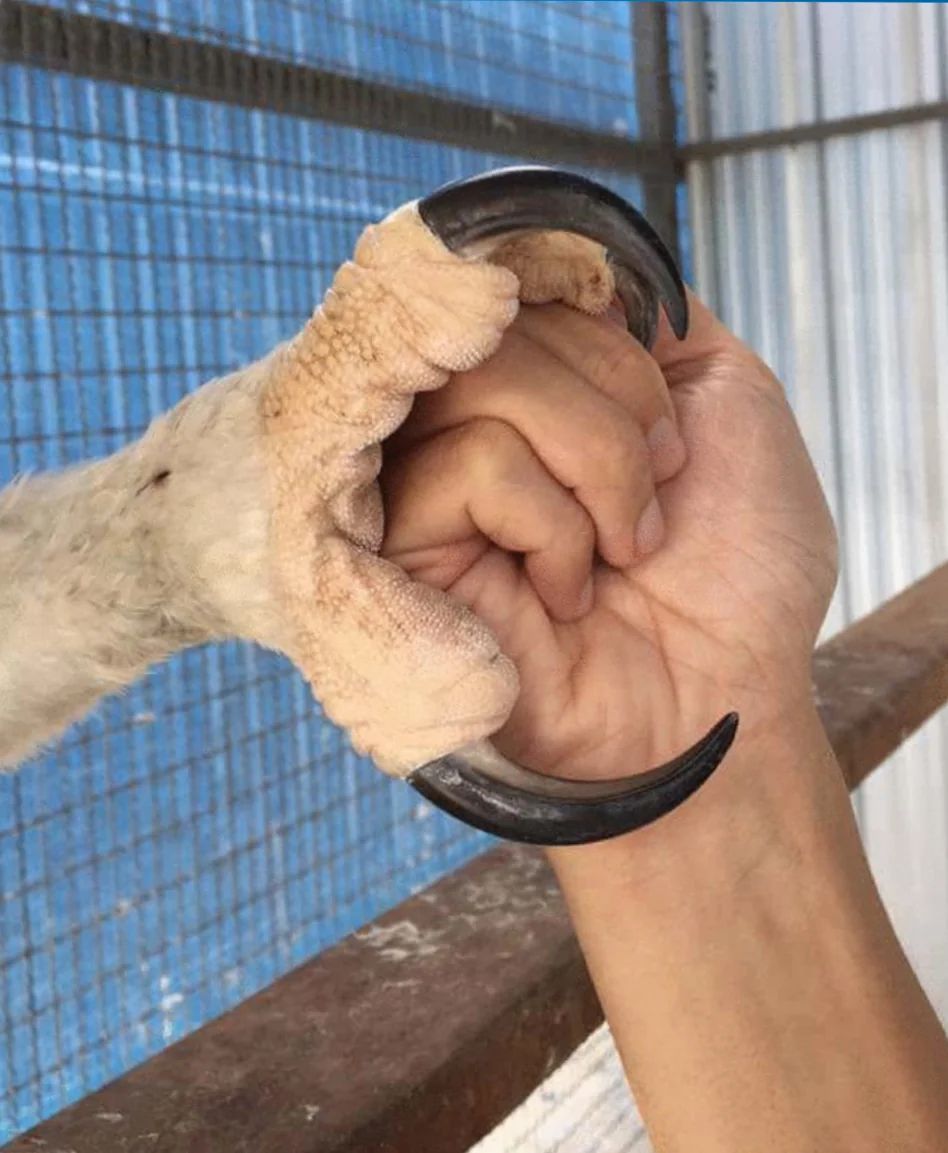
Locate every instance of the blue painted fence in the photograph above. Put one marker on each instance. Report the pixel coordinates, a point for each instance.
(201, 835)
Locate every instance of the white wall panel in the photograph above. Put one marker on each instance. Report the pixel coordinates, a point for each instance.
(831, 259)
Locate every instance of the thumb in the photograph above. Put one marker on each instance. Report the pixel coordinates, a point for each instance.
(707, 340)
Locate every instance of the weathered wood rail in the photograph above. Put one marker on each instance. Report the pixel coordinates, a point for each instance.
(422, 1031)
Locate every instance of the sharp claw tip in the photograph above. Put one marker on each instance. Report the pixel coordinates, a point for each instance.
(507, 800)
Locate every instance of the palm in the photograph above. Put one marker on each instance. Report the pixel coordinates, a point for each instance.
(749, 542)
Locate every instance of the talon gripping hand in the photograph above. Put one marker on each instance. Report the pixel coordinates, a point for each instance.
(417, 679)
(252, 509)
(511, 200)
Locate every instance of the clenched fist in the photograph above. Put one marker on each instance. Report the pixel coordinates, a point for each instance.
(644, 533)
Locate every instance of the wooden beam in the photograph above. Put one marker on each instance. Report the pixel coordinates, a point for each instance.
(421, 1032)
(883, 677)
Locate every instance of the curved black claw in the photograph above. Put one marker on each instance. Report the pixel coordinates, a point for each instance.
(510, 199)
(491, 793)
(478, 785)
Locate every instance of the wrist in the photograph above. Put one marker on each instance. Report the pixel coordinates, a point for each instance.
(747, 950)
(778, 793)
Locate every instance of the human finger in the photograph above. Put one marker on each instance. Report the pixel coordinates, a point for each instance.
(453, 494)
(607, 357)
(587, 440)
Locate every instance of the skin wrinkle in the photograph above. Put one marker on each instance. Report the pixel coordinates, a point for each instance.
(405, 668)
(252, 510)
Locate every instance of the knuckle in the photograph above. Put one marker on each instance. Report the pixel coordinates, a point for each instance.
(489, 446)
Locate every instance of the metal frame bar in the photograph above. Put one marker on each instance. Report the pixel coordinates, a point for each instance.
(655, 105)
(813, 133)
(103, 49)
(482, 967)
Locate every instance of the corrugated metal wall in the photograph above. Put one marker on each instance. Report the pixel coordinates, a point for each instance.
(831, 259)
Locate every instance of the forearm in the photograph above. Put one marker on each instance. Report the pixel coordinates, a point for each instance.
(751, 978)
(111, 567)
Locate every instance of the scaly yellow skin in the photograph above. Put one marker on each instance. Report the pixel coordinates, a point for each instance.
(251, 510)
(409, 672)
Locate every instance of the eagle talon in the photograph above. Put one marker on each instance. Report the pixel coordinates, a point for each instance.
(485, 790)
(477, 784)
(495, 204)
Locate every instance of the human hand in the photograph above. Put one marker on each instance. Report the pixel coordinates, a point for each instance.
(542, 452)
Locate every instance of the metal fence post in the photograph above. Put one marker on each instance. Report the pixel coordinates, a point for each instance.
(656, 110)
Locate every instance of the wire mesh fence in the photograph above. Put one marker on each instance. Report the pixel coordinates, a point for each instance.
(197, 837)
(567, 62)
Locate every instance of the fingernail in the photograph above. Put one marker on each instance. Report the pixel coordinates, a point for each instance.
(666, 446)
(650, 529)
(616, 312)
(587, 596)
